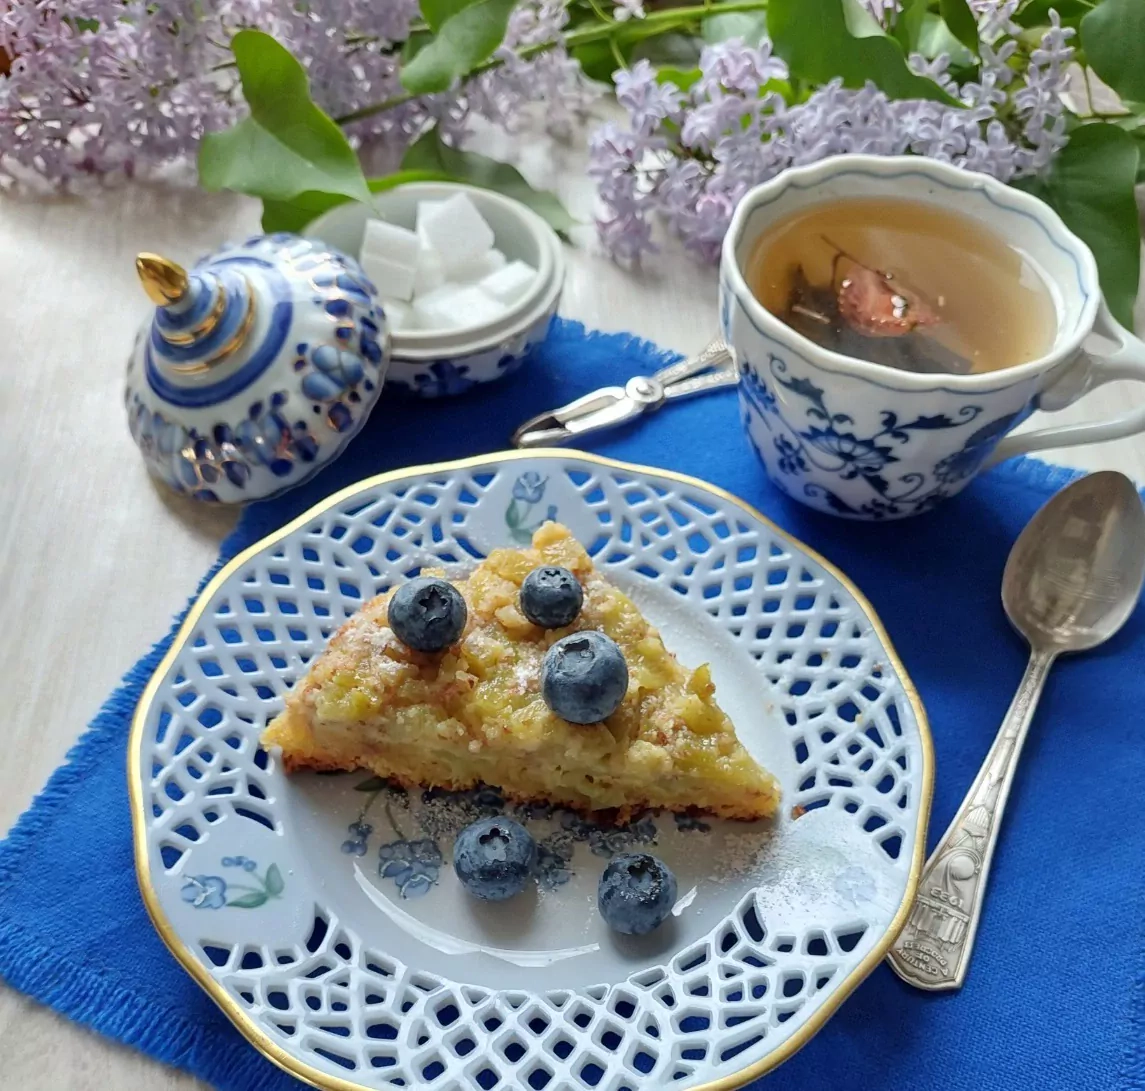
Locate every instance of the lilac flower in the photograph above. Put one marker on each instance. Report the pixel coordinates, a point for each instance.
(1039, 103)
(130, 95)
(648, 102)
(687, 159)
(934, 69)
(734, 66)
(628, 9)
(883, 10)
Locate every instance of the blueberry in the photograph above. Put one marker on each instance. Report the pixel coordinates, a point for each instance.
(584, 677)
(494, 858)
(427, 614)
(551, 597)
(636, 893)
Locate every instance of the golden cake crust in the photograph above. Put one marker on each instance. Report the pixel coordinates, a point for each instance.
(474, 713)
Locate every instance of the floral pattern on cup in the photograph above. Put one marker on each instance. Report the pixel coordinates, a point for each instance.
(827, 443)
(215, 892)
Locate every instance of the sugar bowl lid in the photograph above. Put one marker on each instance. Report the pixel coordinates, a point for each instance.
(256, 367)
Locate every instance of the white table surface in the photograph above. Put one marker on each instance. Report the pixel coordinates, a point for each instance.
(95, 559)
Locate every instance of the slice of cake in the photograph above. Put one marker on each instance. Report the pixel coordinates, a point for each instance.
(476, 712)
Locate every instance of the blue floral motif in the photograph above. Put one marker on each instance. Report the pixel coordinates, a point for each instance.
(333, 379)
(528, 492)
(413, 865)
(791, 459)
(414, 862)
(691, 822)
(553, 859)
(205, 891)
(356, 843)
(830, 443)
(755, 390)
(608, 841)
(445, 378)
(336, 372)
(529, 487)
(245, 862)
(965, 462)
(214, 892)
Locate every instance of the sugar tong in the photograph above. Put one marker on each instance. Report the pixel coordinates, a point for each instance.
(711, 369)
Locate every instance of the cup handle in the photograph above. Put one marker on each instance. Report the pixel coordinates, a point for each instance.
(1125, 361)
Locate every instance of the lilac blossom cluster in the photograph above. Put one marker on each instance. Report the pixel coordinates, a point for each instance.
(686, 157)
(100, 90)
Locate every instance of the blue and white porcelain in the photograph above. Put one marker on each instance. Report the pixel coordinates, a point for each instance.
(323, 913)
(256, 368)
(865, 441)
(439, 364)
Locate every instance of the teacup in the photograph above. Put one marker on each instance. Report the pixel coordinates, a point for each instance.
(866, 441)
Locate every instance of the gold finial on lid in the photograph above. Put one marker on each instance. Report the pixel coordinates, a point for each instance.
(163, 280)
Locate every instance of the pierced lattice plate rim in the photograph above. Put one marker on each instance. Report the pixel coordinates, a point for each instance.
(345, 952)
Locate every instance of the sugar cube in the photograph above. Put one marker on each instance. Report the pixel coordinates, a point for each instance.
(429, 273)
(456, 307)
(456, 230)
(390, 241)
(393, 280)
(468, 272)
(399, 315)
(424, 208)
(508, 284)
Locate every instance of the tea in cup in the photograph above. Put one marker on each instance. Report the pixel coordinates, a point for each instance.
(894, 318)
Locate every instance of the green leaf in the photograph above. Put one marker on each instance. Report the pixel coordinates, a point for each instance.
(750, 27)
(1113, 37)
(274, 883)
(288, 145)
(813, 37)
(597, 60)
(435, 12)
(297, 213)
(1037, 12)
(935, 38)
(430, 154)
(681, 78)
(414, 44)
(373, 784)
(463, 41)
(956, 14)
(908, 24)
(249, 901)
(1090, 186)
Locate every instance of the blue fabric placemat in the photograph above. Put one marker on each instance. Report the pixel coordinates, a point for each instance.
(1055, 999)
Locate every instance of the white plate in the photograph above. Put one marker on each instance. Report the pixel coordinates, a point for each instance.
(352, 958)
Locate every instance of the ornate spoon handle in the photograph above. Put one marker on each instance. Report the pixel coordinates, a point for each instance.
(933, 949)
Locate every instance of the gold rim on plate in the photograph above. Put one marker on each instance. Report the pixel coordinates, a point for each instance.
(302, 1071)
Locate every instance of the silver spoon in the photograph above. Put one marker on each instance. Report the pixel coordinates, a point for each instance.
(1071, 581)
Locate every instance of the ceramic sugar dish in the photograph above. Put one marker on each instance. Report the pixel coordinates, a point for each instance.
(440, 363)
(256, 367)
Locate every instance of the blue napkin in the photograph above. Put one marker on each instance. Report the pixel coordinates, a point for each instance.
(1056, 993)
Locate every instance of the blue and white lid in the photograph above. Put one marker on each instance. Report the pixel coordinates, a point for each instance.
(256, 367)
